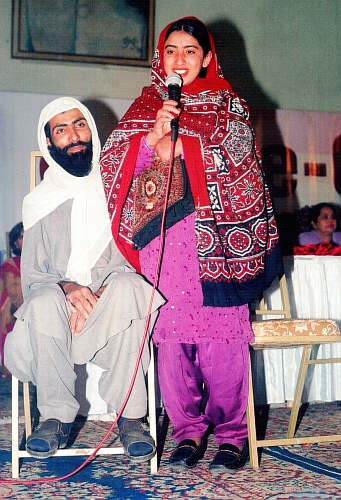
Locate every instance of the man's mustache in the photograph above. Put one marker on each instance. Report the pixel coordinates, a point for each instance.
(74, 144)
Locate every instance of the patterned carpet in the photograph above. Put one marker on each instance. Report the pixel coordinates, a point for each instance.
(296, 472)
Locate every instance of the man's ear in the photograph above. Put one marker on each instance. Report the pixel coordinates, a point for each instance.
(48, 142)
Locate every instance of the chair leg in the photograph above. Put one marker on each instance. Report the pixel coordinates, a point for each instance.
(15, 427)
(27, 409)
(15, 421)
(152, 407)
(299, 390)
(251, 424)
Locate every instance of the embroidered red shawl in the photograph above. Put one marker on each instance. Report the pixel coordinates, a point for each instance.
(237, 240)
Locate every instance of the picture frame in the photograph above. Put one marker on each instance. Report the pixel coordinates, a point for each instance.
(119, 32)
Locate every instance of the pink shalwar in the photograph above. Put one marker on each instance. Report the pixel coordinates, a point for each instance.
(198, 345)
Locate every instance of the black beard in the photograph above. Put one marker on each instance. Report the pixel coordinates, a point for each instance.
(77, 164)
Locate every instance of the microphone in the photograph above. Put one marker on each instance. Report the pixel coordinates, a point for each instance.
(174, 84)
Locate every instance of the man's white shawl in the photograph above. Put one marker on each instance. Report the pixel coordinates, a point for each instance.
(90, 224)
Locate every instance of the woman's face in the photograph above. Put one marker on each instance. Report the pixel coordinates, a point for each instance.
(183, 55)
(326, 223)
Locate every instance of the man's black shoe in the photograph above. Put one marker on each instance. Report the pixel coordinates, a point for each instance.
(47, 438)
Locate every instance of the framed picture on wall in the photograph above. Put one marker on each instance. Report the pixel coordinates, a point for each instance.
(38, 167)
(117, 32)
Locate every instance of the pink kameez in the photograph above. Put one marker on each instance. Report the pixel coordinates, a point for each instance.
(184, 319)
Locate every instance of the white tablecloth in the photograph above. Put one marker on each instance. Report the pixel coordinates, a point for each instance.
(315, 292)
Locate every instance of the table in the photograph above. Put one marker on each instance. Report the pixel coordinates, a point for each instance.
(315, 292)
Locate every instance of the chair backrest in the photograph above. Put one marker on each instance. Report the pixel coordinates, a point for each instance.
(277, 328)
(285, 311)
(35, 176)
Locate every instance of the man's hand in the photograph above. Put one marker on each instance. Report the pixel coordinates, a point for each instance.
(77, 321)
(100, 291)
(81, 301)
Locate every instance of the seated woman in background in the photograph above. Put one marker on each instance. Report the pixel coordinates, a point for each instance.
(323, 219)
(11, 296)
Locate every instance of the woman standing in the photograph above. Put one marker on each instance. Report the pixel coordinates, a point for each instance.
(217, 258)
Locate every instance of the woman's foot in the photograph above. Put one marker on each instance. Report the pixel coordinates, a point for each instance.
(188, 453)
(229, 457)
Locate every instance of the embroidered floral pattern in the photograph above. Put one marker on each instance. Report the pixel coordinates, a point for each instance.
(295, 327)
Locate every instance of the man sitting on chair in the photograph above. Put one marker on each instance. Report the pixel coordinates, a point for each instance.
(83, 300)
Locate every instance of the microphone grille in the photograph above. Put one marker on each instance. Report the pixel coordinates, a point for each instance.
(174, 79)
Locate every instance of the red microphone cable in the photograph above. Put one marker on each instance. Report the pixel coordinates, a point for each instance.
(145, 334)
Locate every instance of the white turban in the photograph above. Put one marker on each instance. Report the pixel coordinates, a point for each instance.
(90, 224)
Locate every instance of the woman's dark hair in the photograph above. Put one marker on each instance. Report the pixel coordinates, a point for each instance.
(315, 211)
(198, 30)
(14, 235)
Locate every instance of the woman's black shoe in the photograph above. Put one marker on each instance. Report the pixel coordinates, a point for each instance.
(187, 454)
(229, 457)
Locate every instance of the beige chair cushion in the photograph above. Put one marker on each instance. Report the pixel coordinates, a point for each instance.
(295, 327)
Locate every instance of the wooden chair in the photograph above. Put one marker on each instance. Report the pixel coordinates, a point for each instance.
(286, 332)
(73, 451)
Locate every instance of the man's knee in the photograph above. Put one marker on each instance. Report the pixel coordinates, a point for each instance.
(46, 312)
(130, 285)
(121, 280)
(47, 298)
(17, 353)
